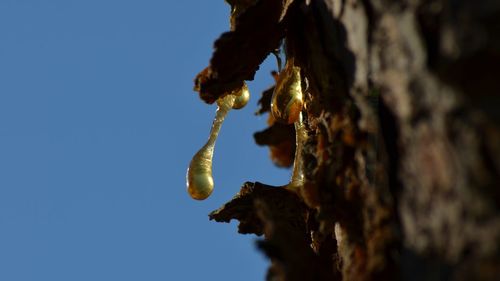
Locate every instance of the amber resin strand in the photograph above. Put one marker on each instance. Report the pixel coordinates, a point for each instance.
(200, 182)
(297, 179)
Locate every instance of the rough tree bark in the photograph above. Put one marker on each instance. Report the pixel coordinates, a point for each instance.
(402, 160)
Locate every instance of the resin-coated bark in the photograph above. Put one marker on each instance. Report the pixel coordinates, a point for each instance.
(402, 158)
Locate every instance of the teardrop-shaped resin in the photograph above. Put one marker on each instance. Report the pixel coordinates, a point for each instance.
(287, 99)
(199, 179)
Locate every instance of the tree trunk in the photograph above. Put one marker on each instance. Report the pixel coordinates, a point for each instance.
(402, 158)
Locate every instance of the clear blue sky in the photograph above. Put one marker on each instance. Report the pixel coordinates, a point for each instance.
(98, 122)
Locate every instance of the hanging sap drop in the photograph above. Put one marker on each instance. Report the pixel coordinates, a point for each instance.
(287, 99)
(200, 182)
(242, 97)
(286, 107)
(199, 179)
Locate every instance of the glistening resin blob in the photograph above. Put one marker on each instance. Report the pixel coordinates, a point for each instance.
(242, 97)
(199, 179)
(200, 182)
(286, 107)
(287, 100)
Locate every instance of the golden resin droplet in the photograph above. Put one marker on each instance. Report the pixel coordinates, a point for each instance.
(242, 97)
(199, 179)
(287, 100)
(297, 179)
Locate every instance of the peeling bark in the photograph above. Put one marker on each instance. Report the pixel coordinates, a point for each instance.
(402, 162)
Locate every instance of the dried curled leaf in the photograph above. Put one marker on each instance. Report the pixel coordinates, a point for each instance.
(280, 139)
(283, 219)
(285, 206)
(256, 31)
(238, 7)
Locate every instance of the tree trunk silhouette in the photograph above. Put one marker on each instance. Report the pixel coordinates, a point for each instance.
(402, 159)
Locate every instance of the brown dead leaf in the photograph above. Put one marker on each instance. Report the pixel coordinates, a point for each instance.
(238, 53)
